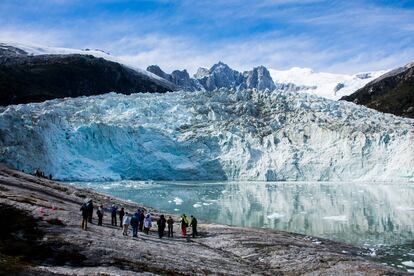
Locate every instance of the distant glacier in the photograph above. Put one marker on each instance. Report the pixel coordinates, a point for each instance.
(219, 135)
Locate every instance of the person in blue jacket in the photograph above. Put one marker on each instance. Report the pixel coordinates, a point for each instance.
(134, 224)
(114, 209)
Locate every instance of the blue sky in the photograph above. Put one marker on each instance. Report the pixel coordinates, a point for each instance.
(333, 36)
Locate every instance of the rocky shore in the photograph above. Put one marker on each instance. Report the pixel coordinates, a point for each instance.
(41, 235)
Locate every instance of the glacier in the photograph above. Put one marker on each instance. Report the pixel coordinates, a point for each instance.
(218, 135)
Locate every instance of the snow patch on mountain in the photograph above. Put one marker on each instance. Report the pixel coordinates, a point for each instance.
(327, 85)
(45, 50)
(225, 134)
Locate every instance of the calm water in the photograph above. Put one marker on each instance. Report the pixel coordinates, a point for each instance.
(373, 215)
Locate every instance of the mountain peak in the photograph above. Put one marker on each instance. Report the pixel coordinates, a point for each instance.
(220, 75)
(220, 66)
(201, 73)
(155, 69)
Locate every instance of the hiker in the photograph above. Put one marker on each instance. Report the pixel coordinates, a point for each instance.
(100, 214)
(113, 215)
(161, 226)
(89, 205)
(141, 220)
(184, 225)
(134, 224)
(138, 213)
(50, 176)
(193, 224)
(125, 223)
(85, 214)
(121, 216)
(147, 223)
(170, 223)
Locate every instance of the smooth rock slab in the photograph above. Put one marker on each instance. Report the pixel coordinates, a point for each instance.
(220, 249)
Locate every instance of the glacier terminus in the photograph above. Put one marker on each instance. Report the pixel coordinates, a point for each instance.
(207, 135)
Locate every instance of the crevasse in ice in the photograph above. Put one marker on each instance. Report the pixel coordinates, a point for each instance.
(243, 135)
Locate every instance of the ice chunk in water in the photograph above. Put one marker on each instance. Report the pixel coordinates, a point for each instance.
(408, 263)
(178, 201)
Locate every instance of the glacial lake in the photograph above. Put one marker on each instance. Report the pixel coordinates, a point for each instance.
(379, 216)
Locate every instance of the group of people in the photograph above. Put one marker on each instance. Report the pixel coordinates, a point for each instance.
(39, 173)
(185, 223)
(139, 221)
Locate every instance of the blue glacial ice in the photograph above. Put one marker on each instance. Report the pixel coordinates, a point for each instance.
(235, 135)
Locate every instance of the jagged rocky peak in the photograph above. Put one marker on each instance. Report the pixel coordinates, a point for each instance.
(259, 78)
(181, 78)
(221, 67)
(220, 75)
(180, 74)
(201, 73)
(155, 69)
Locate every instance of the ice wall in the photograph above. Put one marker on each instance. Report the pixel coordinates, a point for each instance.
(224, 134)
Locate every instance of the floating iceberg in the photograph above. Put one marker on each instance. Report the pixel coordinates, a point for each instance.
(408, 263)
(220, 135)
(178, 201)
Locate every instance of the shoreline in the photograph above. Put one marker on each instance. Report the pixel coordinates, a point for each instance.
(46, 216)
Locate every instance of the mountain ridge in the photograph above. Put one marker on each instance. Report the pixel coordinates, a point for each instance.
(296, 79)
(220, 75)
(35, 77)
(392, 92)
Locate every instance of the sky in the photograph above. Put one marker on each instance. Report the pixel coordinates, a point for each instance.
(328, 36)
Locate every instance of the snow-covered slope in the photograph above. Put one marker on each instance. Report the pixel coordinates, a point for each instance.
(45, 50)
(328, 85)
(207, 135)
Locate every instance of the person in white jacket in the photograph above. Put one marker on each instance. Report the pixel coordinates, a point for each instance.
(125, 223)
(147, 223)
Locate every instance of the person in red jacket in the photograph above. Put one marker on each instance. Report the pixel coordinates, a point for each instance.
(184, 225)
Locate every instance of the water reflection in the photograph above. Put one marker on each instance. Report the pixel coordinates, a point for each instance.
(371, 214)
(357, 214)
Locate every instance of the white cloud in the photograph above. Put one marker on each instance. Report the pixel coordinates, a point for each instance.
(27, 36)
(273, 51)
